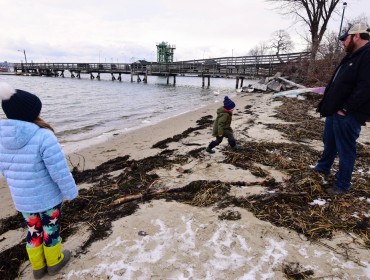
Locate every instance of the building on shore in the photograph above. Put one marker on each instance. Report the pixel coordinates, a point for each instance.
(5, 66)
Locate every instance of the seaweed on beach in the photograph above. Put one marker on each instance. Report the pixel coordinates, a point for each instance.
(200, 193)
(204, 122)
(12, 222)
(94, 208)
(301, 126)
(118, 186)
(295, 271)
(292, 203)
(11, 260)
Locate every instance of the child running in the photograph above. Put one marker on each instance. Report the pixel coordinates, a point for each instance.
(222, 128)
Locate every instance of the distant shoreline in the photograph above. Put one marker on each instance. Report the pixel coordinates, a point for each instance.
(8, 73)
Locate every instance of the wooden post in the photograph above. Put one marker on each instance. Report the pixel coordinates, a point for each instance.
(202, 81)
(146, 77)
(98, 76)
(132, 77)
(241, 82)
(209, 81)
(174, 79)
(237, 82)
(168, 79)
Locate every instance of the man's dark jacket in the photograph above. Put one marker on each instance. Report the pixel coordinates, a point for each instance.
(349, 88)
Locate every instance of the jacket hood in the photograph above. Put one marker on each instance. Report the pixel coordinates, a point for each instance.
(16, 134)
(221, 110)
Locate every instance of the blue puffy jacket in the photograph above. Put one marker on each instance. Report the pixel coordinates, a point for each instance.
(34, 166)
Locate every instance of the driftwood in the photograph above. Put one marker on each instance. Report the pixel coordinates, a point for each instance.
(275, 83)
(290, 82)
(132, 197)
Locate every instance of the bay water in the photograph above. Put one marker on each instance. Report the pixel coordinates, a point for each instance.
(90, 111)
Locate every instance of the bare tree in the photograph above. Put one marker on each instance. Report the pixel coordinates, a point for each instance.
(329, 46)
(260, 49)
(257, 51)
(314, 13)
(281, 42)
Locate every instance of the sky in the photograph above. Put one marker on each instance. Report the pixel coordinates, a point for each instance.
(125, 30)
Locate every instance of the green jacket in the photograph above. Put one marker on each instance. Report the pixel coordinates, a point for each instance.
(222, 122)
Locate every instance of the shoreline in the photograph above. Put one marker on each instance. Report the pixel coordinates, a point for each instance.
(104, 138)
(172, 240)
(137, 142)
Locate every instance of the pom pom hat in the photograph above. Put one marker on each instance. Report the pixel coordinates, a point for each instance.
(19, 104)
(228, 103)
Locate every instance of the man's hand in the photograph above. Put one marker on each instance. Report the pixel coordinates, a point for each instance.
(341, 113)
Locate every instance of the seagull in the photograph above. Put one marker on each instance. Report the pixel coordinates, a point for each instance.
(216, 92)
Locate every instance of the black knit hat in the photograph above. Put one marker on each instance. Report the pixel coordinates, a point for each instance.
(228, 103)
(19, 104)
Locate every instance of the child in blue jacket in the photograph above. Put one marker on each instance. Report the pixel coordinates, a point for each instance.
(37, 174)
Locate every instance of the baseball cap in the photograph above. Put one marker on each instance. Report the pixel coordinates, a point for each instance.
(355, 29)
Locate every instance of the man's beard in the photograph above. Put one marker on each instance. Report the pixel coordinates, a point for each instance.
(350, 47)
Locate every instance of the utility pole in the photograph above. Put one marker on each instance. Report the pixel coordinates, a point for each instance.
(25, 57)
(341, 22)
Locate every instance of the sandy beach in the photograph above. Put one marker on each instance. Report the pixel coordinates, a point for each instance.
(165, 239)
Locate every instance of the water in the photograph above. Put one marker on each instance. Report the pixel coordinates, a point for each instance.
(92, 111)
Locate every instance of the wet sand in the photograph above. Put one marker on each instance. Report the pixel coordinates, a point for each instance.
(172, 240)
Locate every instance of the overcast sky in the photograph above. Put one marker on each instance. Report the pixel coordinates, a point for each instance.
(127, 30)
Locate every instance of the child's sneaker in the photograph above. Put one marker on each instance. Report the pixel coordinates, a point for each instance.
(235, 148)
(210, 151)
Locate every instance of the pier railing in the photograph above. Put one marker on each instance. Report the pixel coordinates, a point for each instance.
(251, 66)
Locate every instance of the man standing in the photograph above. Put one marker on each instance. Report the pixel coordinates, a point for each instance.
(346, 106)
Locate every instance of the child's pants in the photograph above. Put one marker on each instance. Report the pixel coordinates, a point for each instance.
(43, 228)
(230, 138)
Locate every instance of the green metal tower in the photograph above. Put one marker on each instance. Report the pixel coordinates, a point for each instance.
(165, 52)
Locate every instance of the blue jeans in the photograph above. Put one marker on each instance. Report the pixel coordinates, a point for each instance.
(340, 135)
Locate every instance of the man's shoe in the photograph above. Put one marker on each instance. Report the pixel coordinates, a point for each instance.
(235, 148)
(210, 151)
(334, 190)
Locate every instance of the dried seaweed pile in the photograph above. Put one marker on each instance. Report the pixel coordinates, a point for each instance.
(296, 271)
(119, 185)
(94, 207)
(291, 205)
(204, 122)
(291, 202)
(302, 127)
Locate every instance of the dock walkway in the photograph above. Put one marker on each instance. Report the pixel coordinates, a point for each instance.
(240, 68)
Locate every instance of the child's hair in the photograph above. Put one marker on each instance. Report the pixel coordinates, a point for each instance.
(43, 124)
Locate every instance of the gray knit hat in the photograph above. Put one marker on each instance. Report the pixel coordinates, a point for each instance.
(19, 104)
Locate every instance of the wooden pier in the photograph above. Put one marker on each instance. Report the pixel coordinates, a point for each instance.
(240, 68)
